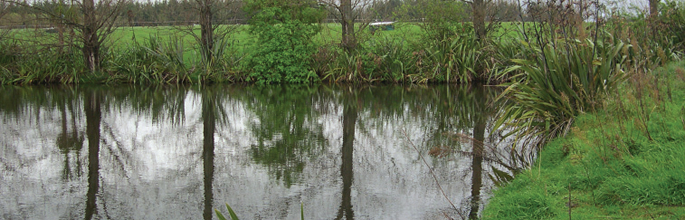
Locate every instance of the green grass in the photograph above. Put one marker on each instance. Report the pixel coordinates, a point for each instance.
(626, 161)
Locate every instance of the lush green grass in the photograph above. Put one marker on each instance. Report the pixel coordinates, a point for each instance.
(626, 161)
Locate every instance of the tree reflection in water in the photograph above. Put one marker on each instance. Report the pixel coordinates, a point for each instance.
(346, 172)
(211, 104)
(92, 102)
(287, 130)
(69, 142)
(478, 151)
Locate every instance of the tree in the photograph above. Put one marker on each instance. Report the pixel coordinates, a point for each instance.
(93, 21)
(4, 10)
(482, 10)
(384, 10)
(478, 7)
(654, 8)
(654, 16)
(347, 11)
(212, 33)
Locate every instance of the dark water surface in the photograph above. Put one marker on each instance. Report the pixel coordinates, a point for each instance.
(181, 152)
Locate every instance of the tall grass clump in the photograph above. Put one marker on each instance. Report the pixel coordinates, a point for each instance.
(26, 64)
(379, 58)
(436, 56)
(223, 67)
(561, 82)
(455, 58)
(652, 42)
(564, 72)
(155, 61)
(8, 55)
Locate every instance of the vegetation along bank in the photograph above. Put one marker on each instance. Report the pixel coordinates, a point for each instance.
(625, 161)
(577, 70)
(304, 41)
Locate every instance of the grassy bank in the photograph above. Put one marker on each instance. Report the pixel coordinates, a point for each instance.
(624, 161)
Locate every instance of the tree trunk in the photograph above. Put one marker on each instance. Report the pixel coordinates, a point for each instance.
(653, 16)
(206, 31)
(654, 8)
(91, 43)
(478, 8)
(348, 38)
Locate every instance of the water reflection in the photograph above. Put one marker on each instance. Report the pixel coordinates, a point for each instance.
(337, 150)
(92, 102)
(346, 173)
(69, 141)
(478, 150)
(210, 107)
(286, 129)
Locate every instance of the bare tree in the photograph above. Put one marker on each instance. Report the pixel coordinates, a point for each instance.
(216, 19)
(653, 16)
(654, 8)
(348, 11)
(482, 11)
(95, 22)
(478, 7)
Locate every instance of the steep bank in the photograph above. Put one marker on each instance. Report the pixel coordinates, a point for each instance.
(626, 161)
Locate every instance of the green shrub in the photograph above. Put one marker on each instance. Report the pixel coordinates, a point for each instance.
(284, 48)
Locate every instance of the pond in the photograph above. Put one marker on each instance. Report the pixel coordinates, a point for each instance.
(339, 152)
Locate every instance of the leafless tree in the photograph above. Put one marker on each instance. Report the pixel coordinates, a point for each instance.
(348, 11)
(216, 21)
(93, 20)
(482, 11)
(654, 8)
(653, 16)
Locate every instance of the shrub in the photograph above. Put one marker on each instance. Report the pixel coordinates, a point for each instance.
(284, 49)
